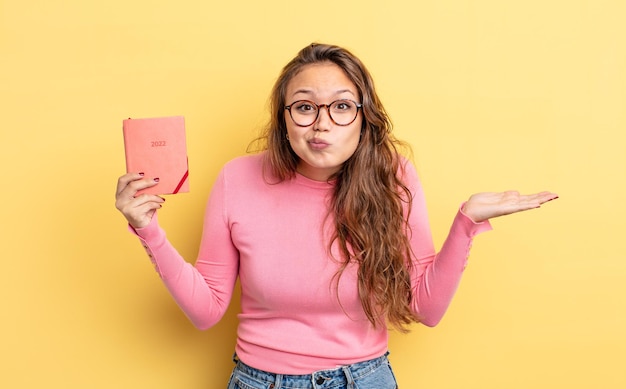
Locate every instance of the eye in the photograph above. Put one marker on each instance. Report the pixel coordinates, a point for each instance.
(304, 107)
(343, 105)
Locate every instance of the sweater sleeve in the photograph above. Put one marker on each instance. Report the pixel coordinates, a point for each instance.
(436, 276)
(202, 291)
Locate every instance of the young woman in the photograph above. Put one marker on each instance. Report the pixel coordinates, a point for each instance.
(326, 229)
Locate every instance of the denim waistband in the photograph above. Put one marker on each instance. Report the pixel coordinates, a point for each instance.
(323, 379)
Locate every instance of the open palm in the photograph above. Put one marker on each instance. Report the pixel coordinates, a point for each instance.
(487, 205)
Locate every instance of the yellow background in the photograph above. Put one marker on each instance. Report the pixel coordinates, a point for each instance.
(492, 95)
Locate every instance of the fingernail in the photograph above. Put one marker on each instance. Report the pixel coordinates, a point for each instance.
(161, 198)
(141, 174)
(156, 179)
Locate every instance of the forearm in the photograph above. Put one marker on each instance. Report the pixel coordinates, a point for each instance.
(203, 306)
(441, 274)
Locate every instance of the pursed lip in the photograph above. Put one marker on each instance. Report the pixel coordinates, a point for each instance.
(318, 144)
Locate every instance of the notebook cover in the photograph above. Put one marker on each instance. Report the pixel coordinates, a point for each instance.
(157, 147)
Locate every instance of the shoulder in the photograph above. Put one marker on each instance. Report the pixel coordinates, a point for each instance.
(247, 166)
(408, 174)
(246, 171)
(406, 169)
(245, 163)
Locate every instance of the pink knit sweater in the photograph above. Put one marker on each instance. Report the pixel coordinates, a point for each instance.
(293, 319)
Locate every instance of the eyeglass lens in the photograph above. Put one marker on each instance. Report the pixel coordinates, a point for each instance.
(305, 112)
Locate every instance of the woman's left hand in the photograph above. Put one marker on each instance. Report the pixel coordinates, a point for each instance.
(483, 206)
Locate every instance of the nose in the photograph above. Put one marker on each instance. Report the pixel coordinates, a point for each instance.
(323, 121)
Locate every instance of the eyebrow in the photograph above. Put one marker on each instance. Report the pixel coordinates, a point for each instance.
(310, 92)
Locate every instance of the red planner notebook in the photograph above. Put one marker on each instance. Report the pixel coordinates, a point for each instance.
(157, 147)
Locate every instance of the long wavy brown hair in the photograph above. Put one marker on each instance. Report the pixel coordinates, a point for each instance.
(370, 203)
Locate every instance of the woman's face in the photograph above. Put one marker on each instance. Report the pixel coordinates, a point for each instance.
(323, 146)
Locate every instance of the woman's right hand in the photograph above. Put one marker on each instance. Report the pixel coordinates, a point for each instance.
(137, 209)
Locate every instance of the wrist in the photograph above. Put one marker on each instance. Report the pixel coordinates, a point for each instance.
(468, 211)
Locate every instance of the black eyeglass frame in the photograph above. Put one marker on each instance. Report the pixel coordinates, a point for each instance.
(319, 106)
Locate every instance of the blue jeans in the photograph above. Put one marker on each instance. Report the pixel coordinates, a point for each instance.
(373, 374)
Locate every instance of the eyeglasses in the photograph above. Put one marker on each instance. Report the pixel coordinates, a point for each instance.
(341, 112)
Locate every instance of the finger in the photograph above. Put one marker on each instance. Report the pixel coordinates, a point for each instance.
(124, 180)
(137, 184)
(543, 197)
(127, 200)
(134, 205)
(145, 198)
(549, 196)
(535, 200)
(138, 210)
(141, 216)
